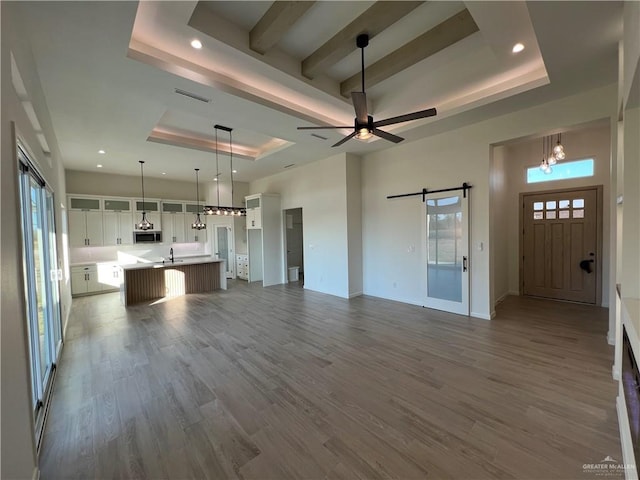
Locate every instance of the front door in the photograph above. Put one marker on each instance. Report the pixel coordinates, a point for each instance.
(447, 252)
(560, 254)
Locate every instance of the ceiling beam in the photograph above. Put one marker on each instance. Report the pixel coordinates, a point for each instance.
(452, 30)
(275, 23)
(374, 20)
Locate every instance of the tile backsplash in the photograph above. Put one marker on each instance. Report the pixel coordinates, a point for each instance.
(135, 253)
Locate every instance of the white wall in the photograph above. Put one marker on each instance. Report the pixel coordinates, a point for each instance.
(18, 448)
(592, 142)
(393, 228)
(319, 189)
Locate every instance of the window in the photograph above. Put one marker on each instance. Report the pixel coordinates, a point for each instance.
(562, 171)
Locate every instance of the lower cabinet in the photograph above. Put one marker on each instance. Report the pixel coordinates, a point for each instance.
(85, 280)
(95, 279)
(242, 266)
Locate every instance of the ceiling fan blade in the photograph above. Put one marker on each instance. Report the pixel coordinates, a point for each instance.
(405, 118)
(360, 105)
(348, 137)
(318, 128)
(387, 136)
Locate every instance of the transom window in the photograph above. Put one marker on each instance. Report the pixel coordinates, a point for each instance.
(562, 171)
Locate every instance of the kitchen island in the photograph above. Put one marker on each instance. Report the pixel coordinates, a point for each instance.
(142, 282)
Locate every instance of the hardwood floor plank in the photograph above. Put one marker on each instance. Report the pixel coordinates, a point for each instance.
(281, 382)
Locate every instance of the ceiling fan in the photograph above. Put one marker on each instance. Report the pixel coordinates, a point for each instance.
(365, 127)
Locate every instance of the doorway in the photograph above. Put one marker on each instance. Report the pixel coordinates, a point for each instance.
(222, 243)
(561, 244)
(447, 252)
(294, 245)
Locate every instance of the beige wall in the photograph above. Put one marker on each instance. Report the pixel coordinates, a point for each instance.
(92, 183)
(498, 220)
(592, 142)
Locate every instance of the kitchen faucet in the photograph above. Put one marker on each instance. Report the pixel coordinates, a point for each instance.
(171, 254)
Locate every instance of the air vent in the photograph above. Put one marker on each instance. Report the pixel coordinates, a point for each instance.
(192, 95)
(290, 165)
(318, 136)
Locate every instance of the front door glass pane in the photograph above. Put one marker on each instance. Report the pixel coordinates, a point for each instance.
(223, 244)
(444, 252)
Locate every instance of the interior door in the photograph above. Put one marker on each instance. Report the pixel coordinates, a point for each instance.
(447, 252)
(223, 246)
(560, 245)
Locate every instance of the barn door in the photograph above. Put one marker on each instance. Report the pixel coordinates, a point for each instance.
(560, 245)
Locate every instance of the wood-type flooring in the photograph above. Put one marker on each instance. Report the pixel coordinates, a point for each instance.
(284, 383)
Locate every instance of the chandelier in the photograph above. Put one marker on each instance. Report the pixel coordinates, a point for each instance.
(218, 209)
(550, 153)
(144, 223)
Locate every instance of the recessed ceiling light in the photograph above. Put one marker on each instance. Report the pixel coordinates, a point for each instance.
(517, 48)
(164, 173)
(215, 179)
(197, 44)
(99, 165)
(101, 152)
(235, 171)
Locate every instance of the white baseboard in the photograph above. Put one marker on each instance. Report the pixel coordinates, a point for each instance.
(482, 316)
(493, 314)
(356, 294)
(36, 474)
(615, 372)
(631, 472)
(611, 338)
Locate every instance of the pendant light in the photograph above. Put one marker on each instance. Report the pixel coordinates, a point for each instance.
(218, 209)
(544, 166)
(144, 223)
(198, 224)
(558, 150)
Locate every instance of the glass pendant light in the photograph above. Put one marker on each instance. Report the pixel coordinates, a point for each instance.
(558, 150)
(198, 224)
(544, 165)
(144, 223)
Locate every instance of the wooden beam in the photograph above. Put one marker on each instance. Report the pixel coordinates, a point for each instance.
(275, 23)
(373, 21)
(452, 30)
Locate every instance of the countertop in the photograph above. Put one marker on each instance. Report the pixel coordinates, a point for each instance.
(179, 262)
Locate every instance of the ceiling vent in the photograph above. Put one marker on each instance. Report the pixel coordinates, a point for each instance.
(192, 95)
(318, 136)
(290, 165)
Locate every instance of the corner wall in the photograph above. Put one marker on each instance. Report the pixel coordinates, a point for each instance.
(393, 230)
(18, 442)
(320, 189)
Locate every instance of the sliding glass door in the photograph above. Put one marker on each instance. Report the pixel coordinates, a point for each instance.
(41, 276)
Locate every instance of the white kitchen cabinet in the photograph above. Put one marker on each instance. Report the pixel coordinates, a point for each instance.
(84, 279)
(173, 222)
(242, 266)
(191, 234)
(85, 228)
(254, 211)
(117, 222)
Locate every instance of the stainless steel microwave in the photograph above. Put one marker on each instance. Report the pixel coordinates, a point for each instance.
(147, 237)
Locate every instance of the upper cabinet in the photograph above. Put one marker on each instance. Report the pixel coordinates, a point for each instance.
(254, 211)
(173, 220)
(117, 221)
(85, 222)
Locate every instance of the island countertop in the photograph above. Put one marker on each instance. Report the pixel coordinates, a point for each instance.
(167, 263)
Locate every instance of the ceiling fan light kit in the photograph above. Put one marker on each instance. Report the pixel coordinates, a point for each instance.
(364, 125)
